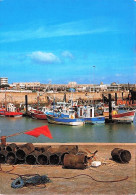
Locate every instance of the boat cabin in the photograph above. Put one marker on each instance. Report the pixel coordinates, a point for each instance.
(85, 111)
(11, 107)
(71, 113)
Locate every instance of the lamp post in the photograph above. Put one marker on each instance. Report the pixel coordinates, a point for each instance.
(93, 77)
(93, 82)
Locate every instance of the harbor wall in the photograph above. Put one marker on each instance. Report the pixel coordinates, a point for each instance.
(19, 97)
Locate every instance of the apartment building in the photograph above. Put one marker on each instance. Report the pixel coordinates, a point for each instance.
(3, 81)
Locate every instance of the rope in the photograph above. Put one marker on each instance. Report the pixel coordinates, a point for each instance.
(21, 177)
(28, 175)
(91, 178)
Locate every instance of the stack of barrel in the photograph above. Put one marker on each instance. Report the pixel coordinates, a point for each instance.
(66, 155)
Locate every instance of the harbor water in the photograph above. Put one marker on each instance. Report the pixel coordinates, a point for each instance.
(103, 133)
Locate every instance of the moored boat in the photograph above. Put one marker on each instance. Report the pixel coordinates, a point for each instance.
(13, 114)
(12, 111)
(40, 116)
(120, 116)
(65, 121)
(2, 111)
(87, 112)
(71, 120)
(126, 117)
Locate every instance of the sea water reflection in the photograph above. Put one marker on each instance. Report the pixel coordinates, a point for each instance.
(123, 133)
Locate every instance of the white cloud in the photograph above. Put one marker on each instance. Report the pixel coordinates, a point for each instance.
(44, 57)
(67, 54)
(75, 28)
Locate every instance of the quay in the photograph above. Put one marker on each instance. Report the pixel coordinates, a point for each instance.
(109, 178)
(44, 98)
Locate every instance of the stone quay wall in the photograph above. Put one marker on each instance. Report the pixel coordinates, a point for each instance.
(41, 97)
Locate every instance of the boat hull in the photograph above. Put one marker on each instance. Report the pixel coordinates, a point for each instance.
(65, 121)
(39, 116)
(95, 120)
(125, 117)
(13, 114)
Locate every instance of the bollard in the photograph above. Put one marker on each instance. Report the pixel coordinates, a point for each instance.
(24, 150)
(120, 155)
(11, 158)
(3, 140)
(78, 161)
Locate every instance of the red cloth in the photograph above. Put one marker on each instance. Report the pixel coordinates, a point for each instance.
(44, 130)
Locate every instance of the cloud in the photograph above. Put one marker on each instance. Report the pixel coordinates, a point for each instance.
(44, 57)
(75, 28)
(67, 54)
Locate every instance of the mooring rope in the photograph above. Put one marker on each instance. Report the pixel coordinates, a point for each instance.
(91, 178)
(72, 177)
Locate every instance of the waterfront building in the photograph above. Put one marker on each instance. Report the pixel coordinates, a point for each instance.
(27, 85)
(3, 81)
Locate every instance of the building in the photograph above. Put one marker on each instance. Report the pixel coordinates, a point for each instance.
(72, 84)
(3, 81)
(26, 85)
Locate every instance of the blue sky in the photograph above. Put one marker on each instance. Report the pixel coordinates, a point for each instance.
(58, 41)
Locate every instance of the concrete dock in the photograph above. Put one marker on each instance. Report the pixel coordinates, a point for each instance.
(109, 178)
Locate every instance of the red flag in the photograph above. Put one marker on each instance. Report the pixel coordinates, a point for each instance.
(40, 130)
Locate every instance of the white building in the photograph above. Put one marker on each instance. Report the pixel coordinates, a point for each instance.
(24, 85)
(72, 84)
(3, 81)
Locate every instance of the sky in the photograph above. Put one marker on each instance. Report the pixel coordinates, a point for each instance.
(61, 41)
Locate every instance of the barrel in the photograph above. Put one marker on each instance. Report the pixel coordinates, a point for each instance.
(24, 150)
(2, 148)
(68, 149)
(11, 147)
(72, 161)
(121, 155)
(3, 155)
(43, 158)
(31, 158)
(54, 159)
(42, 148)
(11, 158)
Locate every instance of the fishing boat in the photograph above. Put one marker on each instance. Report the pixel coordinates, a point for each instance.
(60, 109)
(87, 113)
(12, 111)
(39, 115)
(125, 117)
(120, 116)
(71, 120)
(2, 111)
(13, 114)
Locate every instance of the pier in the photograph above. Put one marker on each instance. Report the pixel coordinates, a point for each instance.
(109, 178)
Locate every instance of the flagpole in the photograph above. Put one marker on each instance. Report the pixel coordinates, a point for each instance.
(34, 132)
(12, 135)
